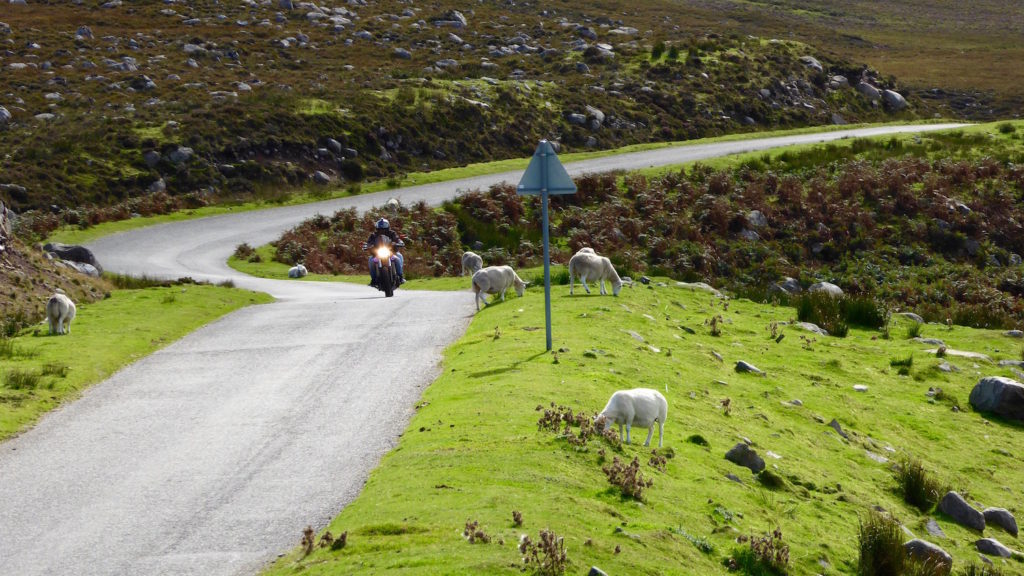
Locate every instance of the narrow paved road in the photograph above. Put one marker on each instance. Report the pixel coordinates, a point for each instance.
(210, 456)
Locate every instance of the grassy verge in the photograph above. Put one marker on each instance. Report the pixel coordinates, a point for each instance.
(41, 371)
(465, 457)
(75, 235)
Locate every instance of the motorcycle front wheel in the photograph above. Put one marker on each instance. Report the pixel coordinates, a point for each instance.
(387, 280)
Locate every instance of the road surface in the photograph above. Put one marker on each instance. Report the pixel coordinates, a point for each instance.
(210, 456)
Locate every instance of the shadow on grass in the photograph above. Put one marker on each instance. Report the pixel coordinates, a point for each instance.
(512, 366)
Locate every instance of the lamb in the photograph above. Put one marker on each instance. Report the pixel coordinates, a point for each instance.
(587, 264)
(495, 280)
(60, 311)
(297, 271)
(640, 406)
(472, 262)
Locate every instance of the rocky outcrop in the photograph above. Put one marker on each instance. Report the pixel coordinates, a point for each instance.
(999, 395)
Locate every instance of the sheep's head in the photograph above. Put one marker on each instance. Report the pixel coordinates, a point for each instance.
(520, 287)
(602, 422)
(616, 286)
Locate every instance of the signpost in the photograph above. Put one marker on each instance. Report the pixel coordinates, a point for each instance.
(545, 176)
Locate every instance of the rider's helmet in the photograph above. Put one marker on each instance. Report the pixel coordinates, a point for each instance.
(383, 224)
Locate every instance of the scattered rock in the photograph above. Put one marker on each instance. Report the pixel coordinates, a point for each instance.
(1017, 363)
(402, 53)
(321, 178)
(73, 253)
(926, 551)
(5, 117)
(702, 286)
(1014, 334)
(810, 327)
(962, 354)
(826, 287)
(860, 388)
(745, 456)
(931, 341)
(595, 571)
(180, 155)
(757, 219)
(934, 529)
(993, 547)
(812, 63)
(84, 32)
(834, 424)
(5, 29)
(1001, 517)
(961, 512)
(151, 158)
(742, 366)
(911, 316)
(999, 395)
(734, 478)
(894, 100)
(869, 91)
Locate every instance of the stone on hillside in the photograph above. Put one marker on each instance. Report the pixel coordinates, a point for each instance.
(745, 456)
(84, 32)
(925, 551)
(812, 63)
(1017, 363)
(193, 49)
(447, 63)
(596, 117)
(894, 100)
(834, 424)
(701, 286)
(860, 388)
(789, 285)
(1014, 334)
(321, 178)
(180, 155)
(111, 4)
(826, 287)
(157, 186)
(811, 327)
(993, 547)
(757, 219)
(999, 395)
(334, 146)
(586, 32)
(582, 68)
(151, 158)
(743, 366)
(931, 341)
(142, 84)
(595, 571)
(5, 29)
(934, 529)
(82, 267)
(402, 53)
(73, 253)
(576, 119)
(838, 119)
(961, 512)
(838, 82)
(911, 316)
(962, 354)
(285, 5)
(5, 117)
(1001, 517)
(869, 91)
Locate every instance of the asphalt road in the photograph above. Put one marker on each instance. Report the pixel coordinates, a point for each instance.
(210, 456)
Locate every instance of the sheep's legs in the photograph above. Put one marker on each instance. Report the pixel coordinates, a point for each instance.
(583, 280)
(628, 427)
(661, 432)
(503, 295)
(650, 432)
(571, 277)
(603, 291)
(620, 434)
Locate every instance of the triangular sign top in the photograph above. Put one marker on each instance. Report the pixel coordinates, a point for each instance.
(545, 169)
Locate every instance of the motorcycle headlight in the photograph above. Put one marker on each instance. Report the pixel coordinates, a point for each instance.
(383, 253)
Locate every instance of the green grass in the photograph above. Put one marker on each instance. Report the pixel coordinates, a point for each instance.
(41, 371)
(465, 457)
(76, 235)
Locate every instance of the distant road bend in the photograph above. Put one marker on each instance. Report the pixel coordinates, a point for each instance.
(210, 456)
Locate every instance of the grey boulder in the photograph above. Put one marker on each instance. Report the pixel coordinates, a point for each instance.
(180, 155)
(999, 395)
(73, 253)
(925, 551)
(869, 91)
(826, 287)
(961, 512)
(894, 100)
(812, 63)
(745, 456)
(1001, 517)
(993, 547)
(5, 116)
(595, 571)
(321, 178)
(743, 366)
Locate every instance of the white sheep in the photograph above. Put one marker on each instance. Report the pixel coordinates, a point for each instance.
(60, 311)
(472, 262)
(297, 271)
(587, 264)
(640, 406)
(495, 280)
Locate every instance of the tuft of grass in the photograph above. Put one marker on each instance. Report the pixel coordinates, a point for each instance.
(880, 540)
(1006, 128)
(913, 330)
(917, 486)
(58, 369)
(128, 282)
(21, 380)
(906, 361)
(824, 310)
(7, 349)
(973, 569)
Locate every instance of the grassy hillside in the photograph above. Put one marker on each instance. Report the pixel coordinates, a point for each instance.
(39, 371)
(466, 458)
(152, 107)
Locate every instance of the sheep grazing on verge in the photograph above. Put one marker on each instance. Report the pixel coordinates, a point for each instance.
(471, 262)
(587, 264)
(60, 311)
(297, 271)
(641, 407)
(495, 280)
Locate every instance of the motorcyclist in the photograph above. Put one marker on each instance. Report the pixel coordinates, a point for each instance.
(383, 228)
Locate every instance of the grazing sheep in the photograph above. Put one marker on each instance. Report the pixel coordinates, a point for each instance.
(587, 264)
(60, 311)
(471, 261)
(297, 271)
(495, 280)
(640, 406)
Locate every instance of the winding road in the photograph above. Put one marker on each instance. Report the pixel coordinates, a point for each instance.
(210, 456)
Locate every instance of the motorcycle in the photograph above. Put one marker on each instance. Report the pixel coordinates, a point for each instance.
(385, 261)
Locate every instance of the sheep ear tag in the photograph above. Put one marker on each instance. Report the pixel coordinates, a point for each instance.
(545, 172)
